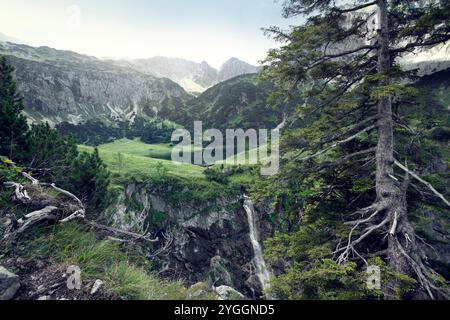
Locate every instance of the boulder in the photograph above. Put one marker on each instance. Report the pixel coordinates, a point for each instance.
(228, 293)
(9, 284)
(196, 291)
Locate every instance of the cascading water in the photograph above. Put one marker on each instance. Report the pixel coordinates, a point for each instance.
(262, 272)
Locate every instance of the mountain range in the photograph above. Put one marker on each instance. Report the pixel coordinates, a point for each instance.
(64, 86)
(194, 77)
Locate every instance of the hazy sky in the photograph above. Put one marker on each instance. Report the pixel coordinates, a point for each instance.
(211, 30)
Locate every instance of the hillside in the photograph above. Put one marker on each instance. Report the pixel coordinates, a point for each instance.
(62, 86)
(240, 102)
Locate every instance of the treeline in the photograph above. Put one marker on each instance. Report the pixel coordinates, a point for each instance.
(41, 151)
(94, 132)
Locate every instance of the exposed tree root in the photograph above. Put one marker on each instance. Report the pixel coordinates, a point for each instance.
(63, 211)
(388, 217)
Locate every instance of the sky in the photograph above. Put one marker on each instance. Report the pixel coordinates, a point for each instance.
(198, 30)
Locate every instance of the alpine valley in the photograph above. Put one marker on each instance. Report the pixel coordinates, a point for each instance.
(87, 180)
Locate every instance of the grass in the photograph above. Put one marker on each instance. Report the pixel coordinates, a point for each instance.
(143, 160)
(139, 148)
(127, 276)
(135, 161)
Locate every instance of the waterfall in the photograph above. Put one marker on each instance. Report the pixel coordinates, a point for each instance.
(262, 272)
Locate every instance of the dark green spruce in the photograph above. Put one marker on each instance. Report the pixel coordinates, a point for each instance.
(355, 171)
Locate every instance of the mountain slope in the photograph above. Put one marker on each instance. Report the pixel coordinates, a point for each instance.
(62, 86)
(235, 67)
(240, 102)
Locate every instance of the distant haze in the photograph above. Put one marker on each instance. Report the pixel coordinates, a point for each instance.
(196, 30)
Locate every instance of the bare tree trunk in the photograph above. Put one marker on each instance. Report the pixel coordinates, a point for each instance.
(405, 255)
(390, 193)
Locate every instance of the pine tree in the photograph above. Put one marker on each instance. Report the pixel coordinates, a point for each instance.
(343, 59)
(13, 125)
(89, 178)
(50, 155)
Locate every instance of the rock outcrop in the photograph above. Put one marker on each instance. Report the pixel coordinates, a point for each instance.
(9, 284)
(228, 293)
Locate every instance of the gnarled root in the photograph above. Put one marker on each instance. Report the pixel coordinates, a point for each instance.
(388, 218)
(57, 211)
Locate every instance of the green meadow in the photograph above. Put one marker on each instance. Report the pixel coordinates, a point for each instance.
(138, 159)
(135, 160)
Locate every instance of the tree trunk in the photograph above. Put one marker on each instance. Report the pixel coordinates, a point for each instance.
(390, 193)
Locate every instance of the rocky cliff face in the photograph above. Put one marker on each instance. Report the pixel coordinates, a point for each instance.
(210, 241)
(64, 86)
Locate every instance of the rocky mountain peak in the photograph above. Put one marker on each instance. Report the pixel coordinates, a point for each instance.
(235, 67)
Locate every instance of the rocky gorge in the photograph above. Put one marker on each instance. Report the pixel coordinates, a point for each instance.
(212, 241)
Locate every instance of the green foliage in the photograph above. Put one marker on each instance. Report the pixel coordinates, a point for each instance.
(141, 160)
(8, 171)
(50, 155)
(158, 221)
(314, 197)
(13, 125)
(156, 132)
(325, 280)
(217, 175)
(90, 179)
(94, 133)
(120, 161)
(161, 171)
(393, 285)
(177, 182)
(134, 283)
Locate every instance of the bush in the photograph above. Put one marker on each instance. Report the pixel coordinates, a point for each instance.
(8, 171)
(213, 174)
(90, 180)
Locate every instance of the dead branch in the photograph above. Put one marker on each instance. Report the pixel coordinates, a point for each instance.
(415, 176)
(352, 243)
(20, 194)
(79, 214)
(30, 219)
(65, 192)
(362, 221)
(34, 181)
(21, 225)
(127, 234)
(393, 229)
(168, 240)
